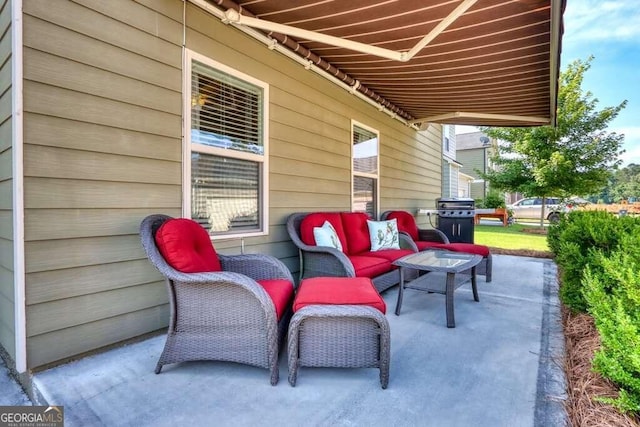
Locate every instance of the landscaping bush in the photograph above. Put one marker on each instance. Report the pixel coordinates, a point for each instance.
(577, 239)
(493, 200)
(612, 293)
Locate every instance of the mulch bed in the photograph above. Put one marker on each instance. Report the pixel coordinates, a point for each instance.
(584, 385)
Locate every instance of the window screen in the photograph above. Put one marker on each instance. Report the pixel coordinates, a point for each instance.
(226, 133)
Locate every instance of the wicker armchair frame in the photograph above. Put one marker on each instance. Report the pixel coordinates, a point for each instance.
(322, 261)
(224, 315)
(485, 267)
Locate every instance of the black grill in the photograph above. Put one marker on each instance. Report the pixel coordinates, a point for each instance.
(455, 208)
(455, 218)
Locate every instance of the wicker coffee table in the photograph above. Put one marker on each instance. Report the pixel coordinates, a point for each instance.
(447, 271)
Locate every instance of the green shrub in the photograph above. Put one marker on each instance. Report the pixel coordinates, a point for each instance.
(612, 291)
(577, 239)
(494, 200)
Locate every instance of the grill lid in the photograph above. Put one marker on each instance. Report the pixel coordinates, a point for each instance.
(447, 203)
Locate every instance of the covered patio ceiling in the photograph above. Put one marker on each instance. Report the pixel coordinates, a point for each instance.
(473, 62)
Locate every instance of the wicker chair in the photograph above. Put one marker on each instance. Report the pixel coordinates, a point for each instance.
(422, 238)
(225, 315)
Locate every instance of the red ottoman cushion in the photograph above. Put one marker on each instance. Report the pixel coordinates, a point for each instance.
(280, 291)
(338, 291)
(186, 246)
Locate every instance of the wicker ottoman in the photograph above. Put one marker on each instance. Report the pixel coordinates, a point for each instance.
(339, 322)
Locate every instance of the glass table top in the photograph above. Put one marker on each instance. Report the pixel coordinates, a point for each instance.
(444, 260)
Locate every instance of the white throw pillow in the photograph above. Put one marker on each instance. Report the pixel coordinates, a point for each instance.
(327, 236)
(384, 234)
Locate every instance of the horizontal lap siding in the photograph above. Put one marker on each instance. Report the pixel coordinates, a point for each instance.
(102, 150)
(7, 308)
(310, 131)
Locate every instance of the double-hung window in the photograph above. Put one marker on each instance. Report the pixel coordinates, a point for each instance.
(365, 148)
(226, 171)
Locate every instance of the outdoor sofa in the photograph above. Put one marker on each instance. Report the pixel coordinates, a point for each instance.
(355, 256)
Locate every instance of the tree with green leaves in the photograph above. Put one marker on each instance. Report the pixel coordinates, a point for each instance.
(574, 158)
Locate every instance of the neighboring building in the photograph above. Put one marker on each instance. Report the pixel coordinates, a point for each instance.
(450, 167)
(474, 151)
(114, 110)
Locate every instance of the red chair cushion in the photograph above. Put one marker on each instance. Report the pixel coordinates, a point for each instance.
(280, 291)
(389, 254)
(367, 266)
(338, 290)
(316, 219)
(356, 231)
(186, 246)
(406, 223)
(470, 248)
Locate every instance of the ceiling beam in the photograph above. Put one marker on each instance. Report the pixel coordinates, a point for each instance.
(233, 17)
(442, 118)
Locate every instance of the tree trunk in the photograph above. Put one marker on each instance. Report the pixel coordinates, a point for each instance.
(542, 211)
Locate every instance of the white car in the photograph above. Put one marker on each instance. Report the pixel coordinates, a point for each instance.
(531, 208)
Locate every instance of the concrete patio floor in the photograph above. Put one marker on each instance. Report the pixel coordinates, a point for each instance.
(500, 366)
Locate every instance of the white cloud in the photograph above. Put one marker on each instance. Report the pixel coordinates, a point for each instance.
(589, 20)
(631, 144)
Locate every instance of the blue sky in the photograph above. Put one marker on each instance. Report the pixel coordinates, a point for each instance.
(610, 31)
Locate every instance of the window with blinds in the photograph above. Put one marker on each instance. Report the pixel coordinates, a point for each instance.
(365, 170)
(227, 149)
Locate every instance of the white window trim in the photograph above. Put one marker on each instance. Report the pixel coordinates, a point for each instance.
(446, 130)
(189, 56)
(375, 176)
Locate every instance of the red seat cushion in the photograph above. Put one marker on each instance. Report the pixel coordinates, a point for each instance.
(280, 291)
(357, 232)
(338, 290)
(316, 219)
(389, 254)
(470, 248)
(186, 246)
(367, 266)
(406, 223)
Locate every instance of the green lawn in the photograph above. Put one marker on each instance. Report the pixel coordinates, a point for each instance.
(511, 237)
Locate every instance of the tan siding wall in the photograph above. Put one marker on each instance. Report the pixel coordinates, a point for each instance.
(103, 149)
(7, 311)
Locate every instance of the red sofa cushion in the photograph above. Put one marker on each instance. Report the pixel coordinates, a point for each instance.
(280, 291)
(316, 219)
(186, 246)
(338, 290)
(406, 223)
(470, 248)
(367, 266)
(356, 231)
(389, 254)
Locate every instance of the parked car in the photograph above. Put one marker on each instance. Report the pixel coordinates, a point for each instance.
(531, 208)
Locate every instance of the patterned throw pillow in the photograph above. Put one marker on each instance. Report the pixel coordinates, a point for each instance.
(384, 234)
(327, 236)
